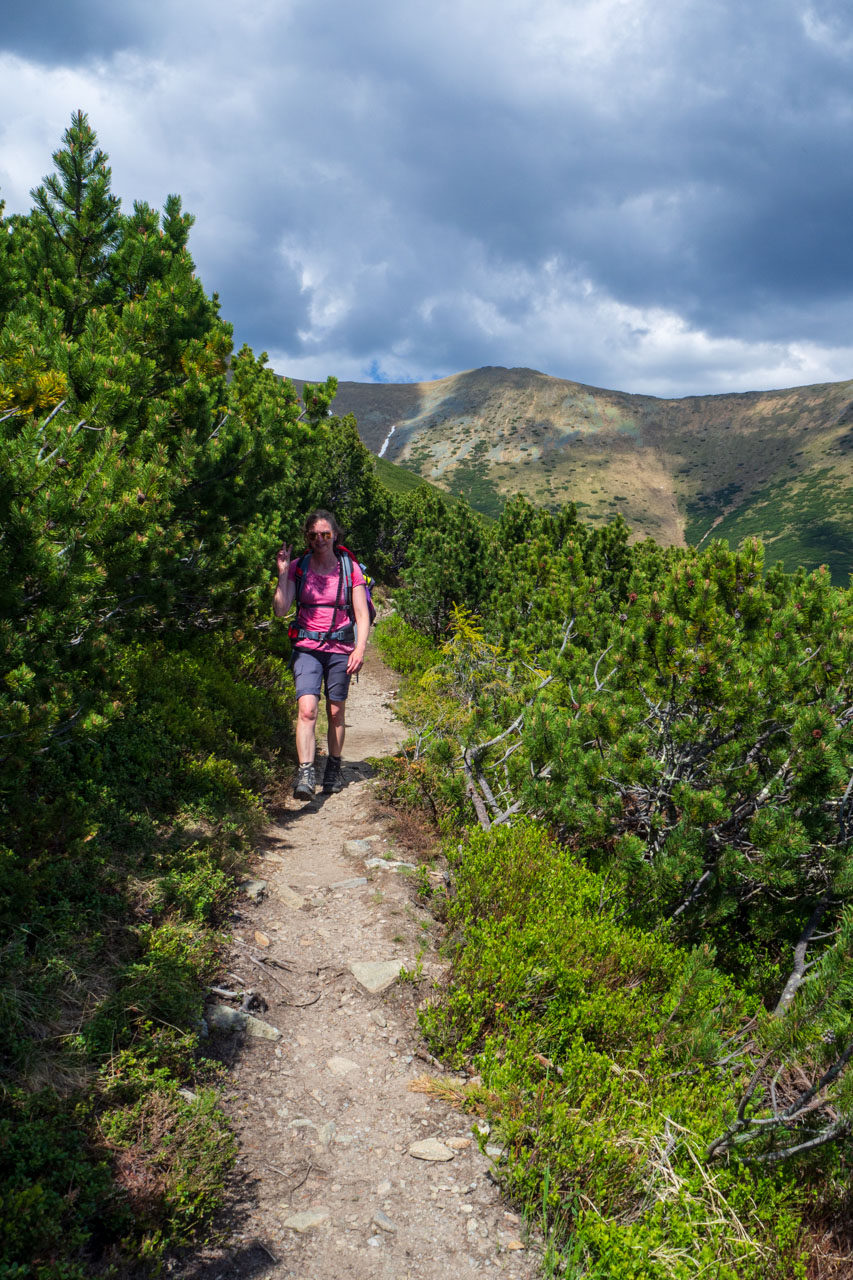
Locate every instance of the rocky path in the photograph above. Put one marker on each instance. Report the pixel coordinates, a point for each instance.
(347, 1167)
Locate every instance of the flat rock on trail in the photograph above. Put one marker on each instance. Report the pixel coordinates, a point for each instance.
(344, 1169)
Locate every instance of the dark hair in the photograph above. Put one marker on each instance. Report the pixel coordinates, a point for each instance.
(319, 514)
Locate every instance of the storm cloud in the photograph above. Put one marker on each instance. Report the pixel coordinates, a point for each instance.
(635, 194)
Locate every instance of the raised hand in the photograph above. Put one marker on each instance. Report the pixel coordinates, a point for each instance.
(282, 560)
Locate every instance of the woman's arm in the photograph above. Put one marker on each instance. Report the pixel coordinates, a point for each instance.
(362, 622)
(285, 590)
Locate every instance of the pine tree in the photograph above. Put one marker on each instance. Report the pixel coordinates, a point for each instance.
(447, 563)
(74, 228)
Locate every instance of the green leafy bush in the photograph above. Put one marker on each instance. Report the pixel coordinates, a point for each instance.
(599, 1048)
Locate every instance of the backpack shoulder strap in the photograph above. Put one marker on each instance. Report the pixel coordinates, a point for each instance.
(345, 557)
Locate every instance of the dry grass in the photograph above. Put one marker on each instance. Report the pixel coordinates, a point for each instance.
(415, 833)
(465, 1095)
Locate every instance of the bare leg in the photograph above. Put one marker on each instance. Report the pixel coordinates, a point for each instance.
(337, 727)
(306, 743)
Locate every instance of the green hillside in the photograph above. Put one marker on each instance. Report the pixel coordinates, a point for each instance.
(397, 479)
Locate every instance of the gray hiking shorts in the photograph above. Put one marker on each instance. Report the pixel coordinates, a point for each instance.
(312, 666)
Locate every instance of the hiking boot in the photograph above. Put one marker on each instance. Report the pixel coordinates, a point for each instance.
(305, 784)
(333, 778)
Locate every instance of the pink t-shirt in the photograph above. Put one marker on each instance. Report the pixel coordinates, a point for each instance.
(317, 606)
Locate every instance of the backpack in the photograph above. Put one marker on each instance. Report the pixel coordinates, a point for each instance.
(343, 600)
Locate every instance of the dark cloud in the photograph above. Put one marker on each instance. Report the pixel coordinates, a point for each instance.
(646, 196)
(59, 32)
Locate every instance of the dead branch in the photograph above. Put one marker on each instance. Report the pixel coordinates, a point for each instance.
(829, 1134)
(50, 416)
(695, 893)
(598, 684)
(293, 1004)
(798, 972)
(473, 794)
(799, 1105)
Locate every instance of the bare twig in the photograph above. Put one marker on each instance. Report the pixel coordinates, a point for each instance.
(260, 1244)
(599, 685)
(51, 415)
(293, 1004)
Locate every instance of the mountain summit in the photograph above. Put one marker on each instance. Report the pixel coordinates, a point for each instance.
(773, 463)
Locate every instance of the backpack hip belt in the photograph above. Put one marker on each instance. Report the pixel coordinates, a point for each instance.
(342, 635)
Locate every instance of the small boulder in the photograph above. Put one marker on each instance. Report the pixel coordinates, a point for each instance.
(357, 848)
(341, 1066)
(375, 975)
(308, 1220)
(261, 1030)
(221, 1017)
(254, 889)
(430, 1149)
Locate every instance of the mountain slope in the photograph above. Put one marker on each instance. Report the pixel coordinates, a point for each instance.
(775, 463)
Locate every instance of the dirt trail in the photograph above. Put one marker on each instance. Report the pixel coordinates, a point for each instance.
(326, 1116)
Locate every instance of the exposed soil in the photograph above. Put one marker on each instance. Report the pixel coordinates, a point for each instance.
(326, 1116)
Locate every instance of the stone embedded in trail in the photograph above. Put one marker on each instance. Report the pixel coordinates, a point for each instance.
(220, 1017)
(383, 1222)
(386, 864)
(260, 1029)
(458, 1144)
(326, 1134)
(375, 975)
(430, 1149)
(254, 889)
(341, 1066)
(350, 884)
(377, 1016)
(262, 939)
(290, 899)
(357, 848)
(308, 1220)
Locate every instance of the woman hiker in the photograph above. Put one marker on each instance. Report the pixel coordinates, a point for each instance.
(326, 647)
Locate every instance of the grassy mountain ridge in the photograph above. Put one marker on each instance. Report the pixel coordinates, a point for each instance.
(775, 463)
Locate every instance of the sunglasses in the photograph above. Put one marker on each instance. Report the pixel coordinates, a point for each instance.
(323, 534)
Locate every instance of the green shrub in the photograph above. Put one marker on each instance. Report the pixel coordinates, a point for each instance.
(598, 1046)
(403, 648)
